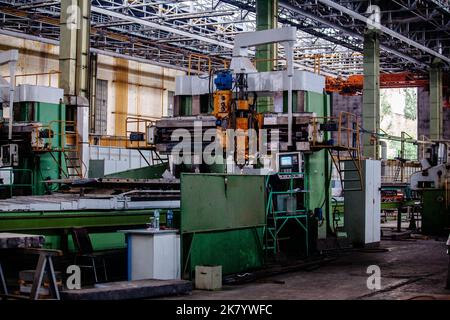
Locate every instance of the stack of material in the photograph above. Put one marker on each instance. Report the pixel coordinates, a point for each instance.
(16, 240)
(26, 278)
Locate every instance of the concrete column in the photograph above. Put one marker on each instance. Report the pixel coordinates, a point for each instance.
(266, 18)
(371, 93)
(436, 101)
(74, 47)
(75, 25)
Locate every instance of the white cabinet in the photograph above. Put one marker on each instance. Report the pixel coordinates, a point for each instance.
(362, 208)
(153, 254)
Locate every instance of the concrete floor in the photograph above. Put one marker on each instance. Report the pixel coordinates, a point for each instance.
(411, 269)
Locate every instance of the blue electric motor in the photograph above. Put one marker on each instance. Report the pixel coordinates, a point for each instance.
(224, 80)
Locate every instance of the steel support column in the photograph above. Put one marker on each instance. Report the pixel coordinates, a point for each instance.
(371, 93)
(436, 100)
(266, 18)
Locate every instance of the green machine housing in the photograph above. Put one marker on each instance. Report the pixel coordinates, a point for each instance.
(36, 109)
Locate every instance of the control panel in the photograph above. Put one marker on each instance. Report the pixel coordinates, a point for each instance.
(288, 163)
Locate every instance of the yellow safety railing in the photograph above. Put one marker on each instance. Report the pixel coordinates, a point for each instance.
(348, 133)
(108, 141)
(36, 76)
(59, 136)
(199, 59)
(138, 122)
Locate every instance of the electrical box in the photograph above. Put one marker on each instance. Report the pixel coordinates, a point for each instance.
(208, 277)
(137, 136)
(9, 155)
(362, 207)
(151, 134)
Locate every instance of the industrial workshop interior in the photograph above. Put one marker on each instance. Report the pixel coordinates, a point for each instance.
(172, 151)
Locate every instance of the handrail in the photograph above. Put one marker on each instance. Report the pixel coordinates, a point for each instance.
(12, 185)
(147, 121)
(199, 57)
(63, 134)
(37, 74)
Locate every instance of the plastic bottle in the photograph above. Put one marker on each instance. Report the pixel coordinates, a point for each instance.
(169, 219)
(156, 215)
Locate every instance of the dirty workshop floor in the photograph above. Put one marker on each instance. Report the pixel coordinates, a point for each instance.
(410, 269)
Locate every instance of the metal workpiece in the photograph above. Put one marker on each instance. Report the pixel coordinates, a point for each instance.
(58, 203)
(43, 94)
(259, 82)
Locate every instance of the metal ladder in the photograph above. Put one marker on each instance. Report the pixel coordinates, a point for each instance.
(351, 178)
(73, 164)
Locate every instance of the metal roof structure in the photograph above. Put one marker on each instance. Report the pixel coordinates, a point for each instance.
(330, 32)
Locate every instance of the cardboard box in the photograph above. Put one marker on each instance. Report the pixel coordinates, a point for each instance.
(208, 277)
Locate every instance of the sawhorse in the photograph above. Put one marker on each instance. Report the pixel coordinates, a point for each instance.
(45, 264)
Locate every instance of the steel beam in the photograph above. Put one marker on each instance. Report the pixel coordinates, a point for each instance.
(266, 18)
(160, 27)
(384, 29)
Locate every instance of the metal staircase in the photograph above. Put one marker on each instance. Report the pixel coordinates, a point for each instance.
(73, 164)
(345, 149)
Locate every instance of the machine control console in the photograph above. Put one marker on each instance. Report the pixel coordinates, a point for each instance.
(289, 165)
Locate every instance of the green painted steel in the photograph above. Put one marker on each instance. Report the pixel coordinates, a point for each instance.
(186, 106)
(55, 224)
(216, 202)
(235, 250)
(281, 217)
(371, 92)
(222, 214)
(294, 101)
(435, 213)
(8, 189)
(266, 18)
(15, 221)
(436, 101)
(100, 241)
(150, 172)
(318, 164)
(43, 165)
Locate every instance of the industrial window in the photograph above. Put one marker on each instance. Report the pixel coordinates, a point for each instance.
(101, 107)
(398, 119)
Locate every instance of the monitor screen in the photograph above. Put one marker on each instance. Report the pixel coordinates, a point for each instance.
(286, 161)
